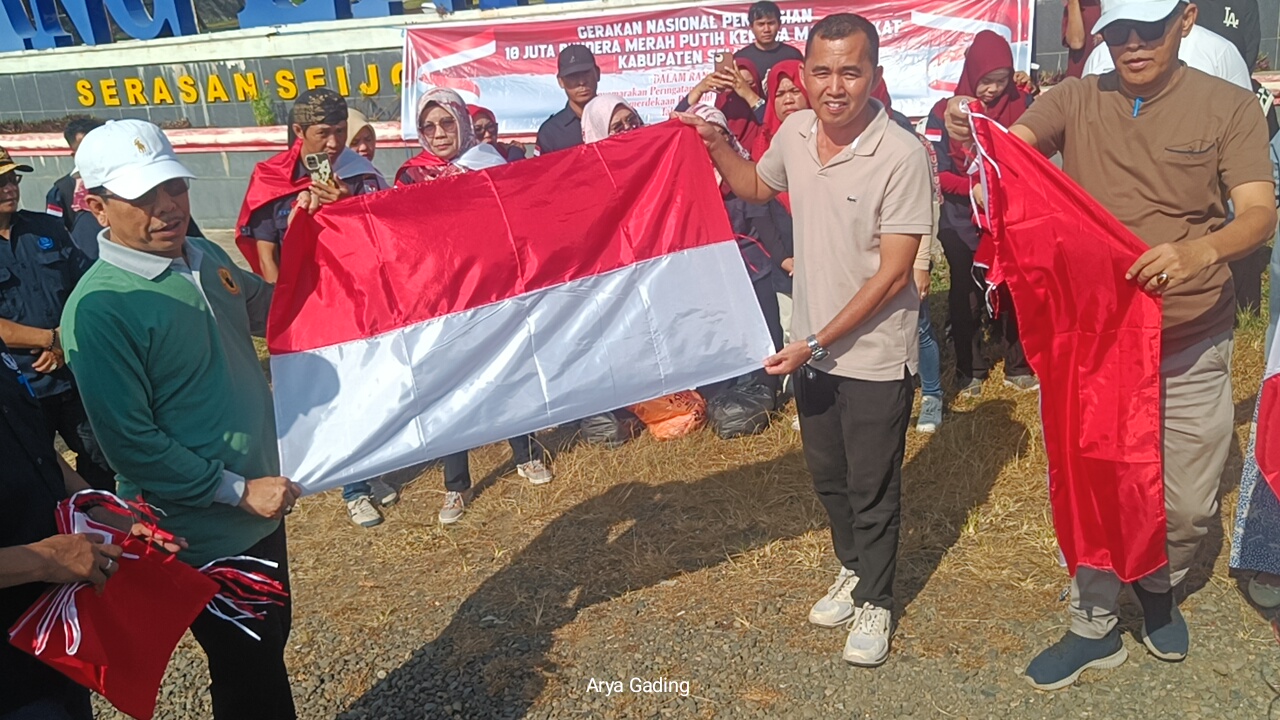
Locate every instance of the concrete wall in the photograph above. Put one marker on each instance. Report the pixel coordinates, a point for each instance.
(215, 197)
(1269, 13)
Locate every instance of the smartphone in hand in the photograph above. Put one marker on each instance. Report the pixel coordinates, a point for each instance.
(317, 165)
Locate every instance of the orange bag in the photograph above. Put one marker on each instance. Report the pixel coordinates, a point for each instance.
(673, 416)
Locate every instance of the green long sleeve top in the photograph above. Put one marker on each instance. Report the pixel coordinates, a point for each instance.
(163, 355)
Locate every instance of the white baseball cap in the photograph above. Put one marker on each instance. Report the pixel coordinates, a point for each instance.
(1134, 10)
(128, 158)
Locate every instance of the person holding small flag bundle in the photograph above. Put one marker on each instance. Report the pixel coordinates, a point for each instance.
(158, 333)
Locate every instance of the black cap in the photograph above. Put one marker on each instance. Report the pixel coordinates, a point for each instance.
(575, 59)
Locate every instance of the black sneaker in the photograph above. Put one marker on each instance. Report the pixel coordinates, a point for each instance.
(1164, 631)
(1061, 663)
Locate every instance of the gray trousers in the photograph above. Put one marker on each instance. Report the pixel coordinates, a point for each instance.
(1197, 416)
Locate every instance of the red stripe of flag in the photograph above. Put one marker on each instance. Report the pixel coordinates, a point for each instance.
(385, 261)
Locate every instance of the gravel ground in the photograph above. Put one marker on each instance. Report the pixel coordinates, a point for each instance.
(696, 562)
(485, 633)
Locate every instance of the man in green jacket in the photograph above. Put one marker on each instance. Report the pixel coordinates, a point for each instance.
(158, 335)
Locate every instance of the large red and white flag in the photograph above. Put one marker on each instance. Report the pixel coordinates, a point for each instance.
(435, 318)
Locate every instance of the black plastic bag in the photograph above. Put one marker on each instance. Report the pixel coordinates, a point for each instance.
(740, 409)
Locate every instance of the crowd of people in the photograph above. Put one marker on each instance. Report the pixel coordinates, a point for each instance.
(128, 334)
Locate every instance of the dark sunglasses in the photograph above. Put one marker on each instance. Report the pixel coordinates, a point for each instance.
(1117, 33)
(175, 187)
(483, 129)
(630, 122)
(11, 178)
(428, 129)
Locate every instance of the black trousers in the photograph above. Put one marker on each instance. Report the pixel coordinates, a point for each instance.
(249, 678)
(966, 310)
(855, 436)
(64, 414)
(457, 467)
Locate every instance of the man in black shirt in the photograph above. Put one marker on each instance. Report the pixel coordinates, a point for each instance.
(39, 267)
(59, 201)
(33, 554)
(579, 75)
(1235, 20)
(766, 51)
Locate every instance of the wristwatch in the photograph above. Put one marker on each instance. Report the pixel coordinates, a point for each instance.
(759, 104)
(817, 352)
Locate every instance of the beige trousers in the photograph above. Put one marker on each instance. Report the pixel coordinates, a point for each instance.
(1198, 417)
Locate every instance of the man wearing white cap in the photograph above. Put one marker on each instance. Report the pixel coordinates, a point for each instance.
(1201, 49)
(158, 334)
(1161, 146)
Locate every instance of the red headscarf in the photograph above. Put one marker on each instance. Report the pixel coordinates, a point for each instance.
(476, 111)
(742, 119)
(988, 53)
(789, 69)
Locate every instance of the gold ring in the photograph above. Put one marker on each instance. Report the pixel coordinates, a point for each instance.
(1162, 278)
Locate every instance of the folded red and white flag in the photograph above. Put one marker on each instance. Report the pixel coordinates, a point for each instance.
(439, 317)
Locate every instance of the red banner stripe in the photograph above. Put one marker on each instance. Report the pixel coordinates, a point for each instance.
(381, 262)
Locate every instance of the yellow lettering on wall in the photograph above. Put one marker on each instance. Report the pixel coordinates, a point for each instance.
(246, 86)
(133, 91)
(343, 88)
(216, 92)
(187, 89)
(84, 93)
(370, 85)
(314, 77)
(110, 93)
(160, 92)
(397, 74)
(286, 87)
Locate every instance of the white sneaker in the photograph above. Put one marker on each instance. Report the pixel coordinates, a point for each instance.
(836, 607)
(454, 505)
(536, 472)
(930, 414)
(868, 641)
(384, 493)
(363, 513)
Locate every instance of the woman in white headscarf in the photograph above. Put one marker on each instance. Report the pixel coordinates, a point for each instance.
(449, 144)
(608, 115)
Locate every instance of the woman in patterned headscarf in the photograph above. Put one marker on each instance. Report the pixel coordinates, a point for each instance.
(449, 144)
(450, 147)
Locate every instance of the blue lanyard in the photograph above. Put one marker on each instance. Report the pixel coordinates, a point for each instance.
(22, 379)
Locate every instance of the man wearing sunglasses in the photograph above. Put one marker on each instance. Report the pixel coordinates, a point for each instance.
(159, 334)
(1162, 146)
(39, 267)
(1200, 48)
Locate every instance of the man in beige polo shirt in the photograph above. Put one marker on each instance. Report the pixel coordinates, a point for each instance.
(861, 194)
(1162, 146)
